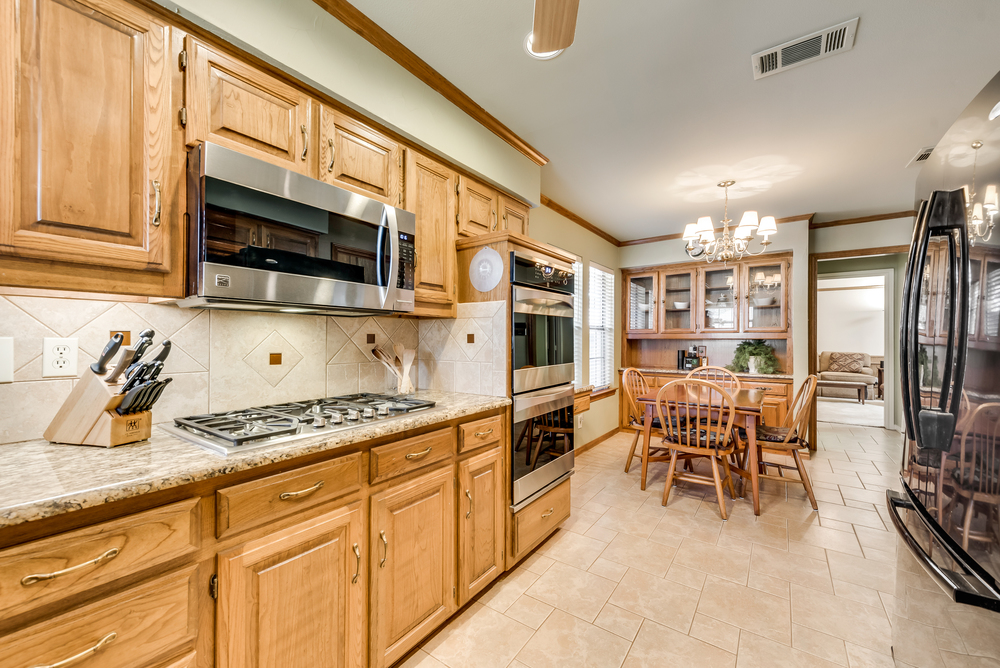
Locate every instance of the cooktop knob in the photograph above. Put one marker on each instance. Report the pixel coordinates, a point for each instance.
(336, 418)
(383, 410)
(319, 422)
(368, 413)
(316, 409)
(352, 414)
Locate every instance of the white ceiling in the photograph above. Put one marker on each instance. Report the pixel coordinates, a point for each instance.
(655, 101)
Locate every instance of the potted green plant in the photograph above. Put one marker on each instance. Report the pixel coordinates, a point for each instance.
(754, 356)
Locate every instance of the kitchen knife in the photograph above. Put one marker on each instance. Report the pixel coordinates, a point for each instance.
(128, 355)
(153, 370)
(161, 355)
(140, 400)
(136, 376)
(155, 394)
(100, 367)
(131, 399)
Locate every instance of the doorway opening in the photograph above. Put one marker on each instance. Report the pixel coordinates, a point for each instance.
(855, 344)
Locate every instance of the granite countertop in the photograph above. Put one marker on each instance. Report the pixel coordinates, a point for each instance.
(739, 374)
(583, 388)
(42, 480)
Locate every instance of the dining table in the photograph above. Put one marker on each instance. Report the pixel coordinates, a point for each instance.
(748, 406)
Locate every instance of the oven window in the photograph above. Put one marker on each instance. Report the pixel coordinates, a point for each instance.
(542, 340)
(540, 440)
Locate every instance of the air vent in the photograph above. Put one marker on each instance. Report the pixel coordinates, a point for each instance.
(921, 156)
(806, 49)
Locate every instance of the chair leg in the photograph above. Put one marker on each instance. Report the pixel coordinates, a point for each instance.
(718, 486)
(805, 478)
(670, 476)
(631, 451)
(729, 477)
(967, 524)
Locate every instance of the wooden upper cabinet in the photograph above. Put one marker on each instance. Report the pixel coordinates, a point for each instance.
(356, 157)
(238, 106)
(477, 208)
(295, 597)
(430, 194)
(412, 549)
(641, 300)
(765, 295)
(480, 523)
(513, 215)
(86, 135)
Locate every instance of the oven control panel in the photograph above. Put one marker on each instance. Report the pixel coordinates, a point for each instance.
(407, 261)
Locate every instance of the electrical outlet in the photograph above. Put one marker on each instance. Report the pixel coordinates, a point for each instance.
(6, 359)
(579, 422)
(59, 357)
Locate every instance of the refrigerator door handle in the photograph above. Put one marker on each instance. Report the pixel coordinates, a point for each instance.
(965, 588)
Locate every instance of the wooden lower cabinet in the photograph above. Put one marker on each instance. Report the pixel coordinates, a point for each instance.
(480, 522)
(295, 597)
(412, 561)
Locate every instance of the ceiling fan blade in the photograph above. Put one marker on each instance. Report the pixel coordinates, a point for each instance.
(554, 25)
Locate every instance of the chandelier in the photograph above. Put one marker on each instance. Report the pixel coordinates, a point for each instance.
(974, 210)
(701, 235)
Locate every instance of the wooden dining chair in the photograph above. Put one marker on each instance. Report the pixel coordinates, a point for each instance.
(790, 438)
(976, 475)
(556, 426)
(696, 419)
(719, 375)
(635, 386)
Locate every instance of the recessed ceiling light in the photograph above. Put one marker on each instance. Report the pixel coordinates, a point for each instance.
(995, 111)
(545, 55)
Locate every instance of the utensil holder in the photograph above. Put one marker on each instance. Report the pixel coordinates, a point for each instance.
(88, 417)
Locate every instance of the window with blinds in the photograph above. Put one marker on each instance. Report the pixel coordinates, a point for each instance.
(578, 324)
(601, 323)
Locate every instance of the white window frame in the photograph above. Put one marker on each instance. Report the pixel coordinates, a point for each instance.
(601, 325)
(578, 294)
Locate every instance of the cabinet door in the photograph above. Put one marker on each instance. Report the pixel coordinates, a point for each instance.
(430, 194)
(513, 215)
(356, 157)
(412, 563)
(291, 239)
(87, 127)
(477, 208)
(975, 298)
(765, 293)
(295, 597)
(678, 294)
(641, 304)
(238, 106)
(773, 411)
(480, 523)
(991, 300)
(719, 297)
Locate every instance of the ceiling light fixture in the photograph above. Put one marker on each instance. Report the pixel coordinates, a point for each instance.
(544, 55)
(975, 210)
(995, 111)
(701, 235)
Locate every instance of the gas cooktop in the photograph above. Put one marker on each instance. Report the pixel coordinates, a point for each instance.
(250, 428)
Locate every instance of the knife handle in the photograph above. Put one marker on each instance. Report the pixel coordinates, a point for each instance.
(154, 369)
(100, 367)
(161, 356)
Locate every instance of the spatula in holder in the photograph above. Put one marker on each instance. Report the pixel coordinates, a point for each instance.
(88, 416)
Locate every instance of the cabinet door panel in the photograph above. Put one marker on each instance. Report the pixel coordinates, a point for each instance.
(94, 135)
(292, 598)
(641, 301)
(240, 107)
(477, 209)
(358, 158)
(513, 215)
(431, 196)
(412, 563)
(480, 522)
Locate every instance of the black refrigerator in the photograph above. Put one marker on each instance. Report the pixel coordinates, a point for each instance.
(946, 611)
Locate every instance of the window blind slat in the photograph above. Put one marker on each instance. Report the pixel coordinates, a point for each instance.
(601, 325)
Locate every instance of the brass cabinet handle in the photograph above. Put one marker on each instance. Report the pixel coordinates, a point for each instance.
(480, 434)
(505, 221)
(101, 644)
(329, 167)
(494, 221)
(385, 544)
(549, 512)
(285, 496)
(305, 142)
(253, 238)
(468, 494)
(158, 209)
(417, 455)
(29, 580)
(357, 570)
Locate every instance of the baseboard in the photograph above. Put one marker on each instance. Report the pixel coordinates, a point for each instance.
(587, 446)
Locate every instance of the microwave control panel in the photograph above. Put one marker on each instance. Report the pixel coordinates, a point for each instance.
(407, 260)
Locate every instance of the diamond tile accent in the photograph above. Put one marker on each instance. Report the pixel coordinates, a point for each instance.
(360, 337)
(259, 359)
(480, 336)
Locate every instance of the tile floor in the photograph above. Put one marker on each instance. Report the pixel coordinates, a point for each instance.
(849, 411)
(627, 582)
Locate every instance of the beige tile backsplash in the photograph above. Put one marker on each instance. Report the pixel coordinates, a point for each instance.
(221, 360)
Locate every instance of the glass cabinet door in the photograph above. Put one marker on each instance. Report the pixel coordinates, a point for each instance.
(679, 296)
(991, 300)
(975, 295)
(642, 303)
(719, 299)
(764, 296)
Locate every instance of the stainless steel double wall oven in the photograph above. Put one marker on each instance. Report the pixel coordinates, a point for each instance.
(542, 379)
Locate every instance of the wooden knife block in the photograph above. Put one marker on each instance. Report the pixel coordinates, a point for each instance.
(88, 416)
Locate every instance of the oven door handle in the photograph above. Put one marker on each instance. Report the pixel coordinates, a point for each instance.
(542, 302)
(543, 401)
(966, 588)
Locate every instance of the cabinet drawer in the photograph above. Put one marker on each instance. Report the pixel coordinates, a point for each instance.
(258, 502)
(389, 461)
(477, 434)
(540, 518)
(581, 403)
(52, 568)
(129, 629)
(771, 389)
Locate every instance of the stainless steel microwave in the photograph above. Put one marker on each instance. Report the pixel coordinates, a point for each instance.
(264, 238)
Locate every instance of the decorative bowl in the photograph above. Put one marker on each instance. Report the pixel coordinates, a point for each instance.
(682, 305)
(763, 301)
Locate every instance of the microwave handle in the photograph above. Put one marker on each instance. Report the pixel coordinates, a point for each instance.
(390, 269)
